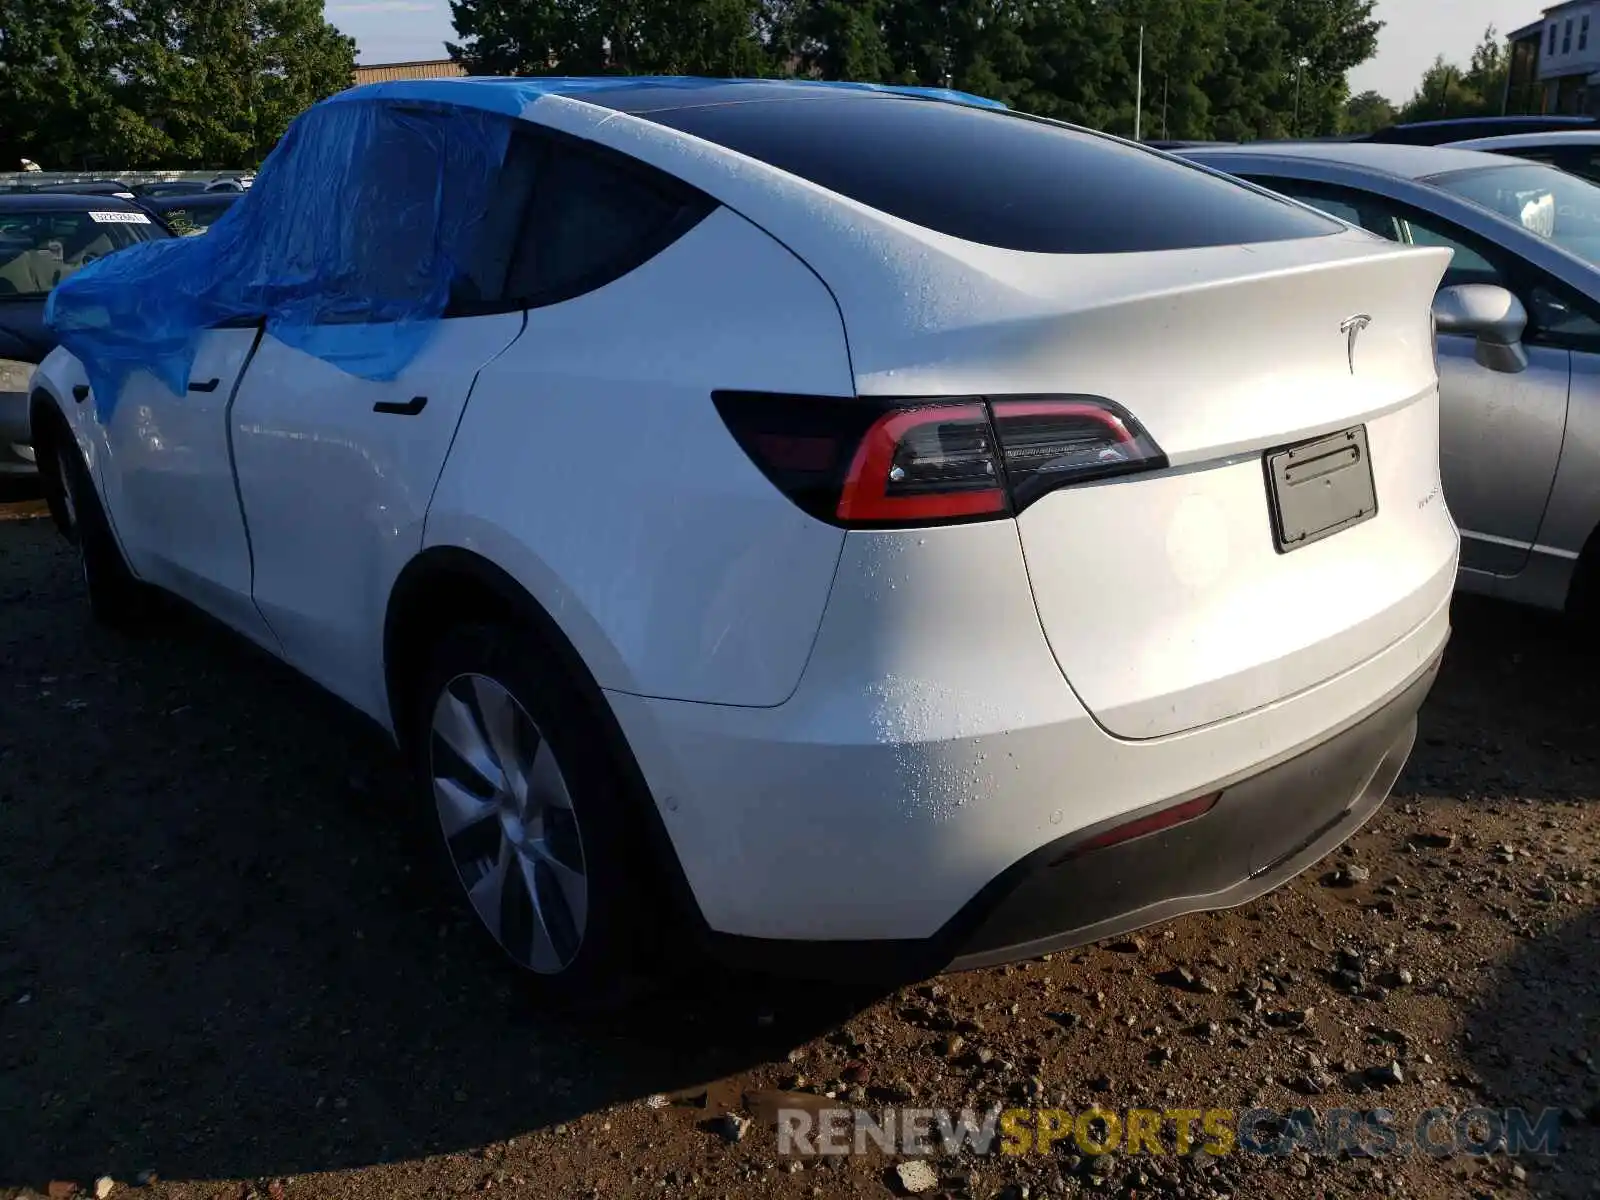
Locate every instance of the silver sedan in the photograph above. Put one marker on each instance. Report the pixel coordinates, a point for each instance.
(1518, 316)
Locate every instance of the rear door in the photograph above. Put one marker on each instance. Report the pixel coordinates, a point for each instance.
(1500, 435)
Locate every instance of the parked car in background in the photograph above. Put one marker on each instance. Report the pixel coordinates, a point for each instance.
(44, 238)
(797, 518)
(194, 213)
(1456, 129)
(1519, 342)
(169, 187)
(1577, 151)
(92, 187)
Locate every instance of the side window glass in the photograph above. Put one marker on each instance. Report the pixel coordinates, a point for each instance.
(1561, 319)
(1468, 266)
(1334, 208)
(1328, 200)
(481, 280)
(592, 220)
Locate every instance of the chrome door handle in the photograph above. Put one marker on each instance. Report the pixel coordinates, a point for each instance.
(209, 385)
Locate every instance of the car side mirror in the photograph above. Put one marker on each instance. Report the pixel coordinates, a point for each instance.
(1493, 316)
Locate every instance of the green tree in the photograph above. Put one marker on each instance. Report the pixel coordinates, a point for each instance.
(1448, 91)
(218, 81)
(56, 82)
(590, 37)
(1324, 40)
(1367, 113)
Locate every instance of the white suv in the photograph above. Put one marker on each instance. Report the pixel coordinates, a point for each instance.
(880, 532)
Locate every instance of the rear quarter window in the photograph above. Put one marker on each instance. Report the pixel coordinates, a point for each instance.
(996, 178)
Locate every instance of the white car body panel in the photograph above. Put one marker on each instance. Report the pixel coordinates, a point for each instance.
(848, 735)
(169, 486)
(594, 444)
(933, 727)
(335, 493)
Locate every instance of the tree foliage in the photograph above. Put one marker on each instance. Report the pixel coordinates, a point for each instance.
(1448, 91)
(160, 83)
(1212, 68)
(1367, 113)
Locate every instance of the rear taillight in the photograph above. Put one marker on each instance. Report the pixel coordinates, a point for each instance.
(885, 464)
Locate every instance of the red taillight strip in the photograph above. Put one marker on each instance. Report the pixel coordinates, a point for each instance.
(863, 498)
(1178, 814)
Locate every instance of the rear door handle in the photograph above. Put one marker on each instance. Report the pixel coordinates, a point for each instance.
(209, 385)
(80, 392)
(409, 409)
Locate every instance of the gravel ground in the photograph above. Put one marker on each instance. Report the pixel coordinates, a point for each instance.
(220, 975)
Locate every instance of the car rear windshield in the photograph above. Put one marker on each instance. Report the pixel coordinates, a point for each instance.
(996, 178)
(40, 249)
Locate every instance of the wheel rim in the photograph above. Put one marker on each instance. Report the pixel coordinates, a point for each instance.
(507, 820)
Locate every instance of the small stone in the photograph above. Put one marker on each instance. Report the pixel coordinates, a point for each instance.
(104, 1186)
(61, 1189)
(1433, 841)
(732, 1127)
(145, 1177)
(1355, 874)
(954, 1045)
(1289, 1018)
(1519, 1173)
(1387, 1075)
(916, 1177)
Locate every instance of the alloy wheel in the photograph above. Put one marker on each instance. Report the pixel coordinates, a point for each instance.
(508, 823)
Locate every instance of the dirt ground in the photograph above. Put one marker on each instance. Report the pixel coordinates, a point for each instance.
(222, 976)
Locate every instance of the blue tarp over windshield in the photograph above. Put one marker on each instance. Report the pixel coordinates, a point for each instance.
(347, 244)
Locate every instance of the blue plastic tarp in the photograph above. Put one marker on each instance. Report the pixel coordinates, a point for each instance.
(348, 243)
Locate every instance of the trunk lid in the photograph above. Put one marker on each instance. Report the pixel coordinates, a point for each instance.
(1166, 597)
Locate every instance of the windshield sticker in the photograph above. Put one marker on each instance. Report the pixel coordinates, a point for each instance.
(118, 218)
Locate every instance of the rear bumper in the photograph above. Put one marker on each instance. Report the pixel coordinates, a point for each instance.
(1263, 831)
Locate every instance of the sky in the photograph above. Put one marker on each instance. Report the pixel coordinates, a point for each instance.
(1416, 30)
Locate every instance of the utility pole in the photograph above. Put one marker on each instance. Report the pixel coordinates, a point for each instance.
(1138, 91)
(1299, 65)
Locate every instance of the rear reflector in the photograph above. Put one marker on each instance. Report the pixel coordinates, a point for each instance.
(889, 464)
(1178, 814)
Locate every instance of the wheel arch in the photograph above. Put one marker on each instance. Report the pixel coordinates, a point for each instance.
(448, 585)
(48, 426)
(1583, 593)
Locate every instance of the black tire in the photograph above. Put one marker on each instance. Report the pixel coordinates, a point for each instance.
(611, 962)
(117, 599)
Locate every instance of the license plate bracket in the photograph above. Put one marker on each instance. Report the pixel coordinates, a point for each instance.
(1319, 488)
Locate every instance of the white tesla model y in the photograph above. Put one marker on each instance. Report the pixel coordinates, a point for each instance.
(868, 530)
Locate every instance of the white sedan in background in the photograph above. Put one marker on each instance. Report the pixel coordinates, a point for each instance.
(814, 536)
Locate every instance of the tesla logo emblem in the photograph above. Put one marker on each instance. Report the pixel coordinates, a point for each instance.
(1351, 327)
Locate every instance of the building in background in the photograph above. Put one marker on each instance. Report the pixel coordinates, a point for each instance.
(429, 68)
(1555, 62)
(1524, 89)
